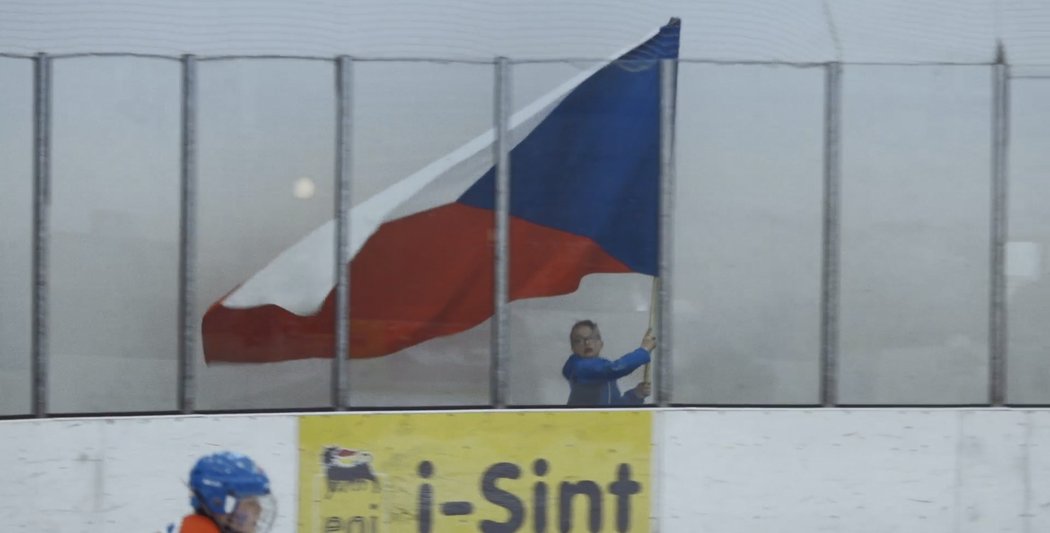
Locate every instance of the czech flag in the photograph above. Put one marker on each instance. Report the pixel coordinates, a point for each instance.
(584, 192)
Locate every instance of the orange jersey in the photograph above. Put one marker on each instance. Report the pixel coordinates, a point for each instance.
(196, 523)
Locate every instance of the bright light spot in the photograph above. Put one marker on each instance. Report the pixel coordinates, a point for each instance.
(304, 188)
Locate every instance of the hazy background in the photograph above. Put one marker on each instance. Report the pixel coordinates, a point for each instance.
(916, 164)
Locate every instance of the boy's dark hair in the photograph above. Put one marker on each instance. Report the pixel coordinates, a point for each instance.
(589, 323)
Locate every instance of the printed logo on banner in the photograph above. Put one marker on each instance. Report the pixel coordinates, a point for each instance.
(347, 482)
(489, 472)
(345, 469)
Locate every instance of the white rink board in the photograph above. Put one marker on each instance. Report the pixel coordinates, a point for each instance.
(129, 474)
(857, 471)
(725, 471)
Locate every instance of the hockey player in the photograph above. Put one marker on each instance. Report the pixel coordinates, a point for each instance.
(230, 494)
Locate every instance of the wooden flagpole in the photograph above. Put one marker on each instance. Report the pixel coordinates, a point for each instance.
(653, 303)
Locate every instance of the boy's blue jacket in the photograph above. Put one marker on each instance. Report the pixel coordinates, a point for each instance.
(592, 380)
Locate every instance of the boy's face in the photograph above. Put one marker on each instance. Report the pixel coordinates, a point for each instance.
(586, 341)
(245, 516)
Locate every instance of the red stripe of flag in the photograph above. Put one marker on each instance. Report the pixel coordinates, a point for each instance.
(420, 277)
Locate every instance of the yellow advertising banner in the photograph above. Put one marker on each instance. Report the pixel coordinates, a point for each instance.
(494, 472)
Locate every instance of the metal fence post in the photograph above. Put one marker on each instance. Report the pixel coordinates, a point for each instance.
(997, 327)
(340, 359)
(668, 86)
(829, 297)
(188, 236)
(500, 321)
(41, 229)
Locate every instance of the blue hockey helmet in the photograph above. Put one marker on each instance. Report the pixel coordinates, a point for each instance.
(228, 486)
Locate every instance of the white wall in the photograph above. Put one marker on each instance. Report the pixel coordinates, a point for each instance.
(129, 474)
(809, 30)
(726, 471)
(879, 470)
